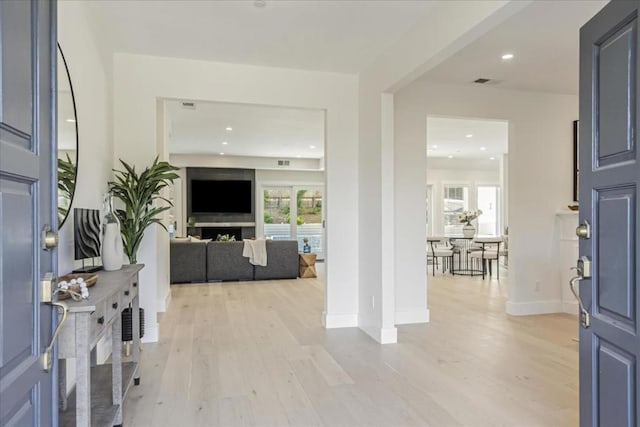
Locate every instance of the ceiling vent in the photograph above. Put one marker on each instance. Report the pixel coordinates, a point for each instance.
(482, 81)
(189, 105)
(283, 163)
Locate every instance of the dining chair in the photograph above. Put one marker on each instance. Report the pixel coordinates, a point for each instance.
(489, 251)
(439, 247)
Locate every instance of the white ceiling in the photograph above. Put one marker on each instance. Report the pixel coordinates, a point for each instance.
(257, 131)
(326, 35)
(461, 138)
(544, 39)
(337, 36)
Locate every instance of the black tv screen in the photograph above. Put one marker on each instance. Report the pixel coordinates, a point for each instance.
(215, 196)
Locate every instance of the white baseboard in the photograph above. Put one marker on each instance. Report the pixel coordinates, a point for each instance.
(408, 317)
(163, 303)
(570, 307)
(534, 307)
(331, 321)
(151, 331)
(382, 335)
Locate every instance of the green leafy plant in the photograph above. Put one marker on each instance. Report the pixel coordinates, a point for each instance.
(66, 186)
(138, 194)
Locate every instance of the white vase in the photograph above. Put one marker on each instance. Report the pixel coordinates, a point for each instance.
(112, 250)
(468, 230)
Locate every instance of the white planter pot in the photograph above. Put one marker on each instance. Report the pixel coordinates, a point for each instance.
(468, 230)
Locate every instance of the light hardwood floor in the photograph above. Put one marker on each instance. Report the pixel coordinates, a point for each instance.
(254, 353)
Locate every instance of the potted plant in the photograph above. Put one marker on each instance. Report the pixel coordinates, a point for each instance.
(468, 230)
(138, 194)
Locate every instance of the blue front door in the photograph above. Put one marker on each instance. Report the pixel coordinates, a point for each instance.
(27, 188)
(608, 194)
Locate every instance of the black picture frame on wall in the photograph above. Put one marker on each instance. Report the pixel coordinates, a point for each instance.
(576, 161)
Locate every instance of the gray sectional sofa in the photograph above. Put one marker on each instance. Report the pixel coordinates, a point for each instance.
(223, 261)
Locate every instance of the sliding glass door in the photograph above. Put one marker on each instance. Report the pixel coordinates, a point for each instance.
(295, 213)
(309, 219)
(277, 213)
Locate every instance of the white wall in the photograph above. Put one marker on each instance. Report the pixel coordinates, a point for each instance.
(396, 259)
(139, 81)
(540, 178)
(91, 85)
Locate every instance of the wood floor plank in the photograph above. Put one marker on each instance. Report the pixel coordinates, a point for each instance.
(255, 354)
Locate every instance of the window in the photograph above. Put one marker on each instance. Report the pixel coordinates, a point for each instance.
(455, 200)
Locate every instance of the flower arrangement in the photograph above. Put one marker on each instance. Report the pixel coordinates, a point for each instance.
(468, 216)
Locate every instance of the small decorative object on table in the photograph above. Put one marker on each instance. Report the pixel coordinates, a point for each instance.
(75, 286)
(306, 248)
(468, 230)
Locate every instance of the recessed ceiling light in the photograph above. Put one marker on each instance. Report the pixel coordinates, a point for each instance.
(469, 135)
(492, 158)
(451, 157)
(435, 147)
(483, 148)
(229, 128)
(298, 156)
(224, 142)
(312, 146)
(222, 154)
(71, 120)
(507, 56)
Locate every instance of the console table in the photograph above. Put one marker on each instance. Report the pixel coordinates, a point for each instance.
(100, 390)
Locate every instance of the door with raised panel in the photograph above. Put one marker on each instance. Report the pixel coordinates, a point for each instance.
(27, 191)
(608, 194)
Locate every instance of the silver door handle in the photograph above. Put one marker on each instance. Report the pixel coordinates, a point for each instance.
(584, 314)
(47, 356)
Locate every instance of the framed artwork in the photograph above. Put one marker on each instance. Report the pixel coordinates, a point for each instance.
(576, 161)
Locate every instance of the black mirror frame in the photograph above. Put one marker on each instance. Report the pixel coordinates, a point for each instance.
(75, 114)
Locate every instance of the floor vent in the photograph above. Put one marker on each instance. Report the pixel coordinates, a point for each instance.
(283, 163)
(189, 105)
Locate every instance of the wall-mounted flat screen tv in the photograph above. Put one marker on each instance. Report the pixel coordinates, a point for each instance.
(218, 196)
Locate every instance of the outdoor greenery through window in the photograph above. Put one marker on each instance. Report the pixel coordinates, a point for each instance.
(306, 211)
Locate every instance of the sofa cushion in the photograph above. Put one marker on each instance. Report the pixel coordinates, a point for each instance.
(187, 261)
(282, 261)
(225, 262)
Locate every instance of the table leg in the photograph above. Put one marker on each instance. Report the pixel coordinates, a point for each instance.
(83, 371)
(116, 367)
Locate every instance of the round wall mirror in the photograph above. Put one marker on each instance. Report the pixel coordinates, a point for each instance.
(67, 140)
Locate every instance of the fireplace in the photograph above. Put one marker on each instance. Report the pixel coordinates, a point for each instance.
(213, 232)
